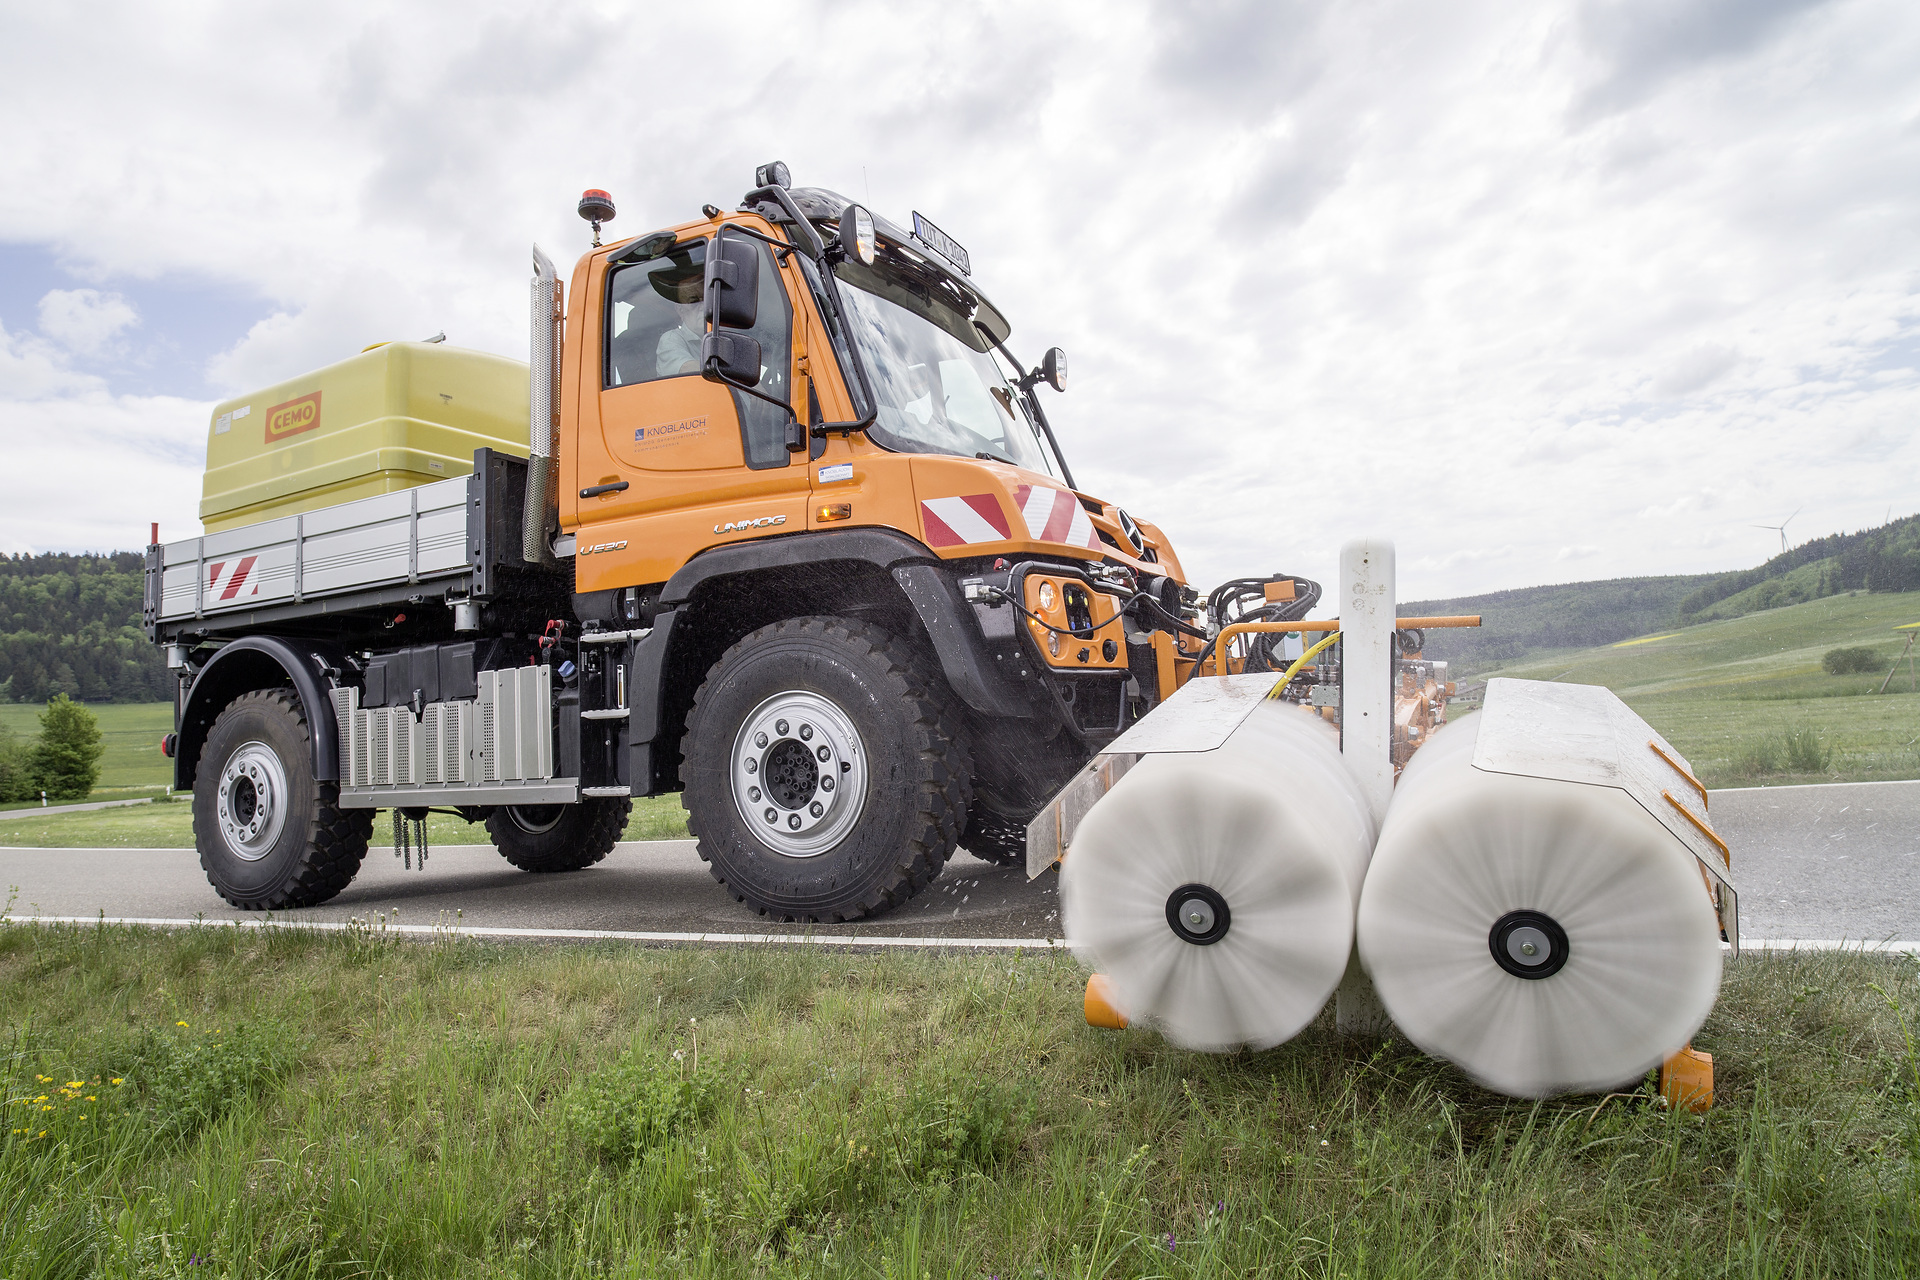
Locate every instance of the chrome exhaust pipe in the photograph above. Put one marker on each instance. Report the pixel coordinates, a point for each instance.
(542, 413)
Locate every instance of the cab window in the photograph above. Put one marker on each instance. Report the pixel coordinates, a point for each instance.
(655, 323)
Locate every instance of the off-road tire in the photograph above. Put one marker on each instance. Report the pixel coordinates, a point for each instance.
(319, 847)
(579, 835)
(994, 837)
(918, 775)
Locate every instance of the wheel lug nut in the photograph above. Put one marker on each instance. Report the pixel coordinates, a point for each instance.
(753, 766)
(780, 727)
(815, 809)
(822, 752)
(793, 821)
(759, 739)
(772, 816)
(753, 794)
(806, 733)
(826, 784)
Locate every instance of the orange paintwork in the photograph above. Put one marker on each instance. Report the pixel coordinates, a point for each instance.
(1104, 609)
(690, 481)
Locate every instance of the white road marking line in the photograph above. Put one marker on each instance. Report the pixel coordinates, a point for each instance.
(1894, 947)
(613, 935)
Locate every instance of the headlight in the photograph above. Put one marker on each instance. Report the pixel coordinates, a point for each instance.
(1053, 643)
(1047, 597)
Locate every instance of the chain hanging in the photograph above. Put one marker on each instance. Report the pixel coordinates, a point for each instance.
(409, 837)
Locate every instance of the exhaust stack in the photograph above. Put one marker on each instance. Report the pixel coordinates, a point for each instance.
(542, 412)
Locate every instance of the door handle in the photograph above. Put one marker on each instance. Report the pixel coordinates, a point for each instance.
(595, 490)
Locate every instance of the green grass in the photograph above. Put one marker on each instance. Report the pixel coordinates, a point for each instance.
(130, 731)
(1737, 696)
(168, 824)
(354, 1105)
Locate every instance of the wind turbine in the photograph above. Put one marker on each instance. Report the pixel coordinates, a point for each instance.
(1781, 528)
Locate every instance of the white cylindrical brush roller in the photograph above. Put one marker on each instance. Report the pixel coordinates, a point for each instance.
(1546, 936)
(1216, 890)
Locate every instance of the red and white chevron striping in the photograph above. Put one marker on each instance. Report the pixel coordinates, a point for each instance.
(1054, 515)
(227, 578)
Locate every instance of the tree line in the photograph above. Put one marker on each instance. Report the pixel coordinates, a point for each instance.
(70, 624)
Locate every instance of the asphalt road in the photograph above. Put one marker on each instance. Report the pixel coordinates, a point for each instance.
(1823, 862)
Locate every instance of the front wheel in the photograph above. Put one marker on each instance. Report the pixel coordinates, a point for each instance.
(269, 835)
(825, 777)
(558, 837)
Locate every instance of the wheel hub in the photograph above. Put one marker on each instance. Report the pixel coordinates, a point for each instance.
(251, 803)
(1529, 944)
(1198, 914)
(799, 773)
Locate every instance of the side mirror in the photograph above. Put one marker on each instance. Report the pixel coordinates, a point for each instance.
(856, 238)
(730, 357)
(733, 285)
(1053, 369)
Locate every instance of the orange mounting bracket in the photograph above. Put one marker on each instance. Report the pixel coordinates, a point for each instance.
(1099, 1005)
(1686, 1080)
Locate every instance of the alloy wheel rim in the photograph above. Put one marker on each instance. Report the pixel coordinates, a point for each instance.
(799, 774)
(251, 801)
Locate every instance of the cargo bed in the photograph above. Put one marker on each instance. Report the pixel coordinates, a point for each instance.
(445, 541)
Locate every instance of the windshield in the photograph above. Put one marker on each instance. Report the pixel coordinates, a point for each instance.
(936, 392)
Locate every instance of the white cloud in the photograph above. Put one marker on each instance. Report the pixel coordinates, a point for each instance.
(1494, 280)
(84, 320)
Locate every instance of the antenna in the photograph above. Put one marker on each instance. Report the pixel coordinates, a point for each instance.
(1781, 528)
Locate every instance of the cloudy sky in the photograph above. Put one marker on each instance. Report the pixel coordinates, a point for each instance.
(1544, 292)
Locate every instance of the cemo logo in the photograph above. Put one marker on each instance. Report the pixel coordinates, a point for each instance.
(293, 417)
(764, 522)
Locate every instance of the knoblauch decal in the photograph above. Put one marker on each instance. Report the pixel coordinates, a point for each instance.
(962, 521)
(234, 581)
(1054, 515)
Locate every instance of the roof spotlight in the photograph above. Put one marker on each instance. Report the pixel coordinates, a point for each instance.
(596, 206)
(772, 175)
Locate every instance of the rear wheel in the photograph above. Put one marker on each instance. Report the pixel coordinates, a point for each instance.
(825, 776)
(558, 837)
(270, 836)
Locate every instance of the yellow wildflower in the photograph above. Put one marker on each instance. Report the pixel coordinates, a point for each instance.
(179, 1024)
(41, 1098)
(91, 1098)
(76, 1084)
(117, 1079)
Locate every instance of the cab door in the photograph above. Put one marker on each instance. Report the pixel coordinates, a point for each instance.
(701, 462)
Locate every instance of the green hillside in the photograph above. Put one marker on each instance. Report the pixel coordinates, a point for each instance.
(1531, 621)
(1747, 701)
(1567, 616)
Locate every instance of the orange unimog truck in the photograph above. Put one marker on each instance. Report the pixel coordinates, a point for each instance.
(788, 532)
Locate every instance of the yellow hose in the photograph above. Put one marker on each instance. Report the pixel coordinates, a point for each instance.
(1302, 661)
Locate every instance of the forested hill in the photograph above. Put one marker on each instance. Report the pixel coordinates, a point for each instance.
(71, 624)
(1577, 615)
(1572, 615)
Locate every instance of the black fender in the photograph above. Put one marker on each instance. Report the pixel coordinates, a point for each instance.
(921, 578)
(262, 662)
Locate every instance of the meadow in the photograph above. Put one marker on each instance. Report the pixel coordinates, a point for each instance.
(1746, 700)
(253, 1103)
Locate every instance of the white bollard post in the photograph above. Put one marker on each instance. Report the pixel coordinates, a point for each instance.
(1368, 610)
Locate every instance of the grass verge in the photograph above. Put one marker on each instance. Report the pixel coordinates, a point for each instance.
(317, 1105)
(168, 824)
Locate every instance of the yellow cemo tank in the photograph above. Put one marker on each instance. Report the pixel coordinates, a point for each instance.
(397, 415)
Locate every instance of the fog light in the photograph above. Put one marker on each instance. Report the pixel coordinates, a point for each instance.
(1053, 643)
